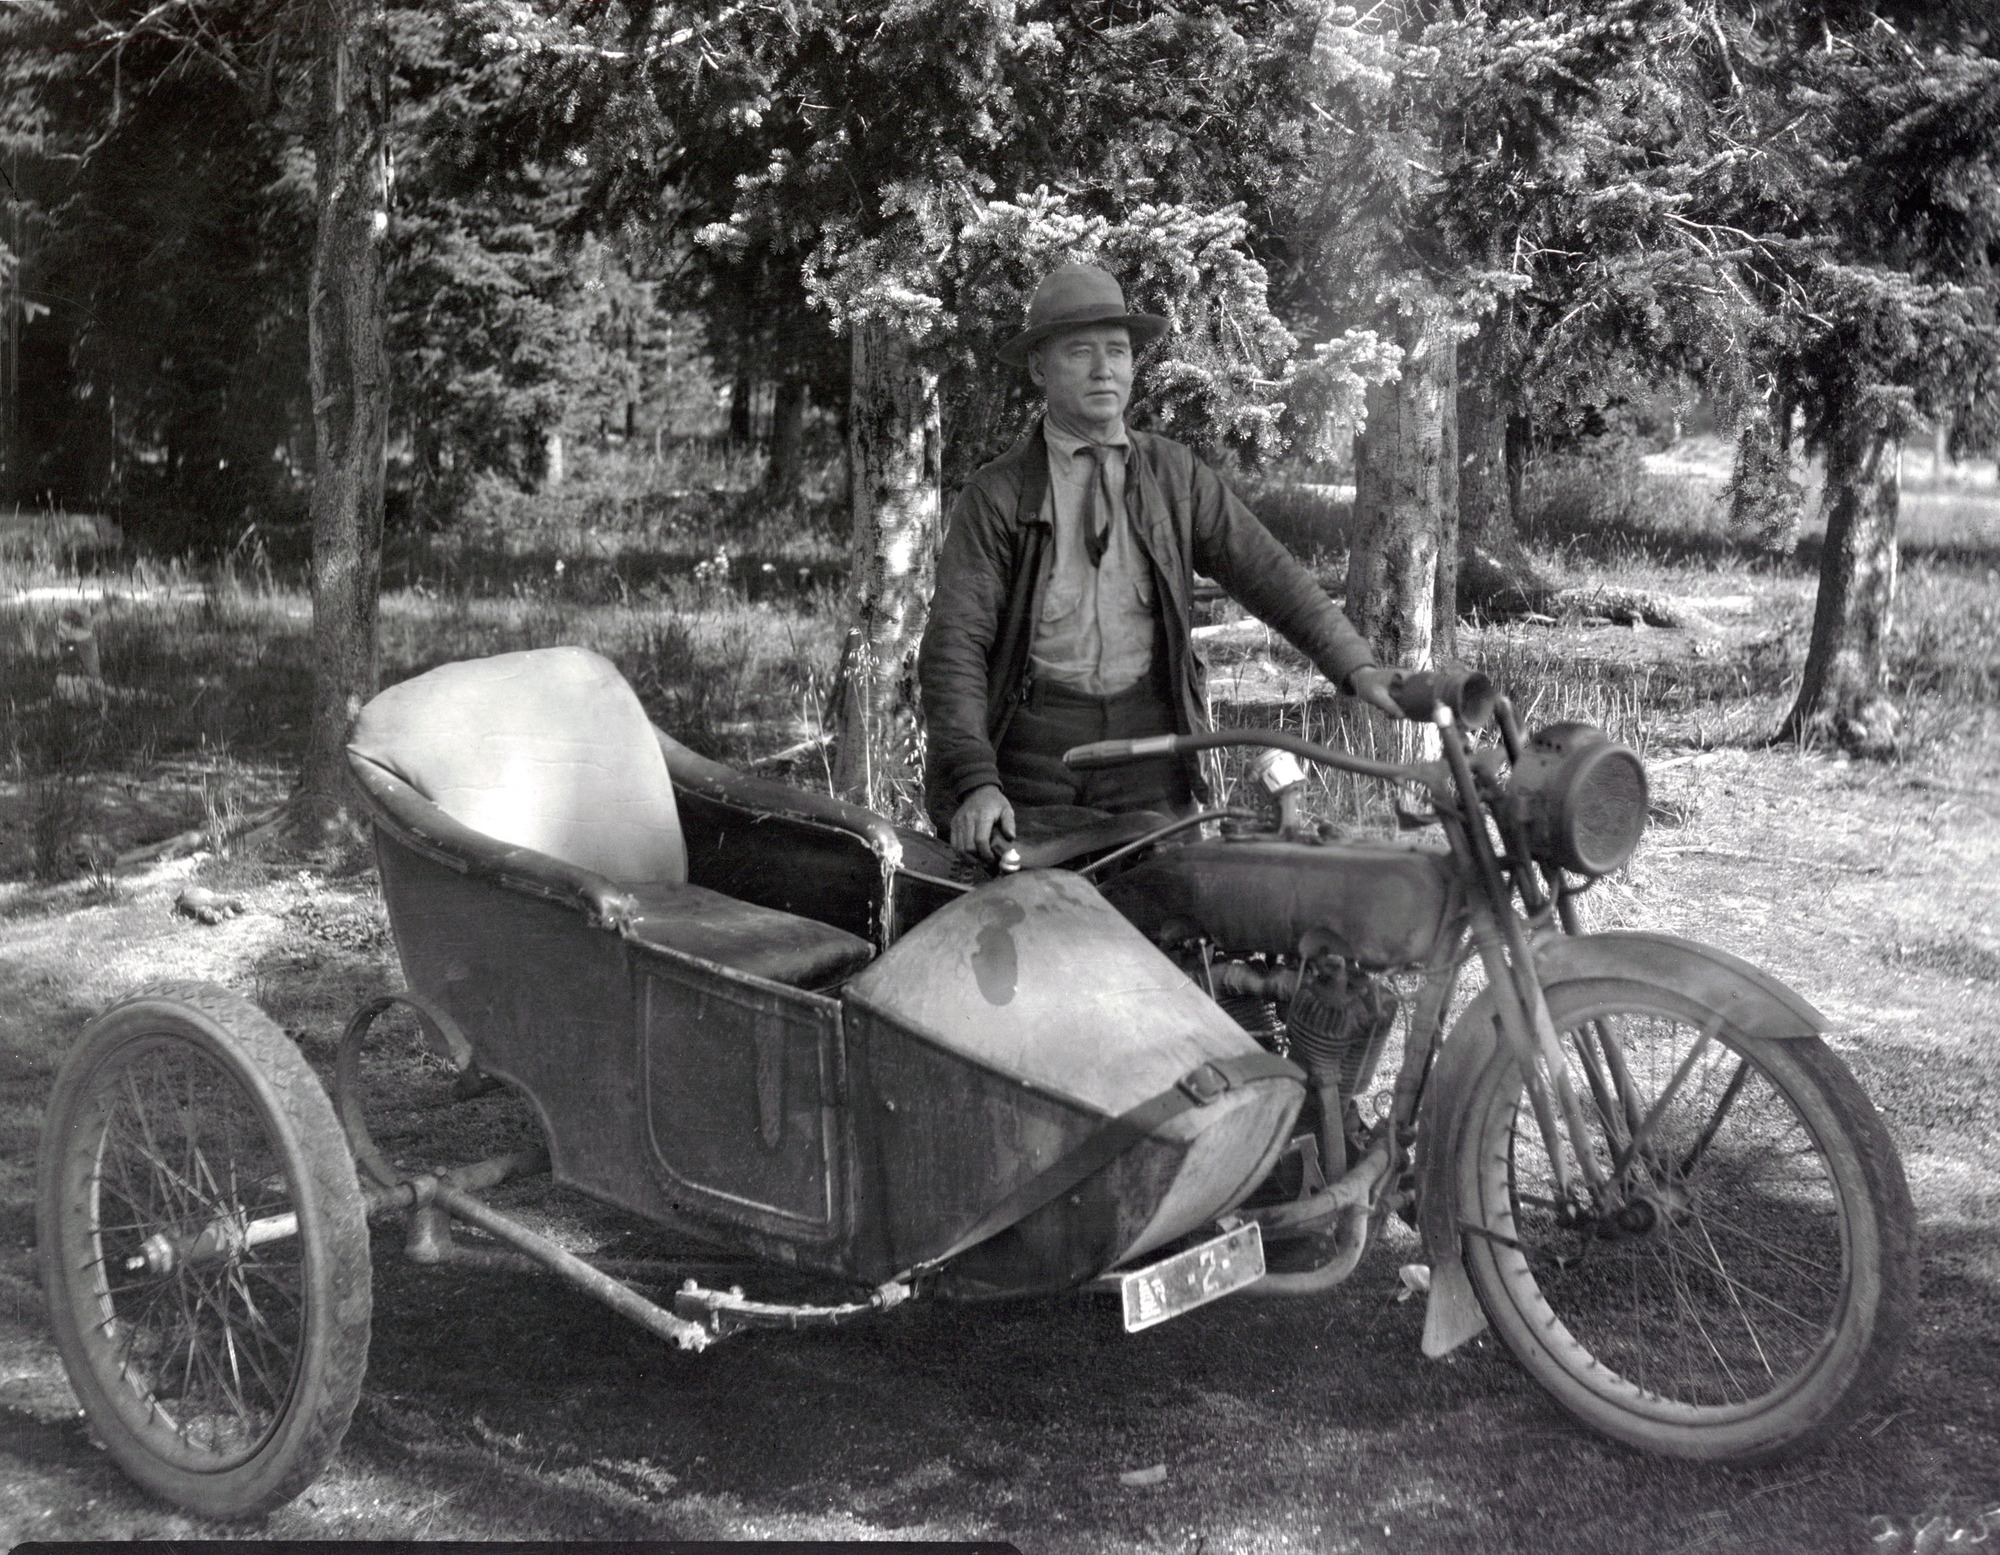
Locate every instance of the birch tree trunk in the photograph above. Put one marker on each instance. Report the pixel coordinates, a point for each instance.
(348, 376)
(893, 451)
(1485, 499)
(1444, 609)
(1396, 569)
(1399, 489)
(1843, 694)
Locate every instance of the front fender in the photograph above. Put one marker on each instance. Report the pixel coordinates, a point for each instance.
(1743, 997)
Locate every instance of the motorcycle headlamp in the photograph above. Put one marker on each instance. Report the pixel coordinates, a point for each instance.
(1580, 797)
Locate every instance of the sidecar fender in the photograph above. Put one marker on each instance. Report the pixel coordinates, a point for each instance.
(1749, 999)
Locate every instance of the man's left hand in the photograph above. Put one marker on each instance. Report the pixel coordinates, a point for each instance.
(1371, 684)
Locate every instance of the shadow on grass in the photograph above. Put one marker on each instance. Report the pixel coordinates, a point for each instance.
(1317, 1421)
(1612, 540)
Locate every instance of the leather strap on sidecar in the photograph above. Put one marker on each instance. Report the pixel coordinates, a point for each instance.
(1197, 1088)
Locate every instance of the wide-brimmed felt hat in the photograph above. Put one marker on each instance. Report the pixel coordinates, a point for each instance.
(1072, 297)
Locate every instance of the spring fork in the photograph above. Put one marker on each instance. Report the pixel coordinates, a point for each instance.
(1525, 1019)
(1614, 1055)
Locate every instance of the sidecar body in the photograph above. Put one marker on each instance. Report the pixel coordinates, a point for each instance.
(775, 1021)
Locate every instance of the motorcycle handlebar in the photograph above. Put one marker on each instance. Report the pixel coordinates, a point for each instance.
(1420, 693)
(1111, 753)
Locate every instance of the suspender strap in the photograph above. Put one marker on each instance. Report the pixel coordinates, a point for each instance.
(1197, 1088)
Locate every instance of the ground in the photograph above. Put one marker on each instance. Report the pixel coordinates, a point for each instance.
(511, 1408)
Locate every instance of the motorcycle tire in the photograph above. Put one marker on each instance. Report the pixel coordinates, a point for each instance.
(204, 1250)
(1751, 1299)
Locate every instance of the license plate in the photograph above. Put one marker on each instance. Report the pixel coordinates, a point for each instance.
(1192, 1278)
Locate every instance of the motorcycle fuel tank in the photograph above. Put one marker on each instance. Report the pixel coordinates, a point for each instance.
(1375, 903)
(990, 1046)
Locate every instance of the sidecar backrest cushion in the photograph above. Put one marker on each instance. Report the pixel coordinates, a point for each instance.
(547, 749)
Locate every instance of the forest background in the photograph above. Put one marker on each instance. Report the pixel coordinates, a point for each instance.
(287, 278)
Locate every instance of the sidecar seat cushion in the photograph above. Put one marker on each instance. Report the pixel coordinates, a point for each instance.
(547, 749)
(762, 941)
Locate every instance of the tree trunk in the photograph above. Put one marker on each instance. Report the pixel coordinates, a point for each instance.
(554, 468)
(348, 377)
(1520, 448)
(1764, 500)
(1485, 495)
(741, 391)
(1444, 608)
(788, 429)
(1846, 673)
(1495, 576)
(1392, 574)
(893, 449)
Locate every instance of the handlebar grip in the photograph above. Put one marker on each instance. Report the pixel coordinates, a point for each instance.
(1469, 695)
(1110, 753)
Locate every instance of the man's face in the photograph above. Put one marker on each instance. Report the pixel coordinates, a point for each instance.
(1085, 375)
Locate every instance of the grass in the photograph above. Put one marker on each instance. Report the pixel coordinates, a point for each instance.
(511, 1409)
(720, 608)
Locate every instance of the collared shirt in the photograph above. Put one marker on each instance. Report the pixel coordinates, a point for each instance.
(1095, 632)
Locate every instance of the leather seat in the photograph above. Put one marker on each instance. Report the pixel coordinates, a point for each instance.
(762, 941)
(547, 750)
(542, 768)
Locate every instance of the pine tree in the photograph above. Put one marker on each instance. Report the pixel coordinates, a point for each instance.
(870, 165)
(1883, 301)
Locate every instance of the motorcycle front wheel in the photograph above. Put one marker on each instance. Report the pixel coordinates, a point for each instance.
(1749, 1296)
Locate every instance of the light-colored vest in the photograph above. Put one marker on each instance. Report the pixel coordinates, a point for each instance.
(1095, 633)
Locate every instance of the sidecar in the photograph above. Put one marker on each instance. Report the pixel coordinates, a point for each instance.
(763, 1019)
(738, 1013)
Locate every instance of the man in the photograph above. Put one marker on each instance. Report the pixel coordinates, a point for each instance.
(1062, 613)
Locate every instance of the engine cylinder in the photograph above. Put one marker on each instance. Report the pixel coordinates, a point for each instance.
(1338, 1024)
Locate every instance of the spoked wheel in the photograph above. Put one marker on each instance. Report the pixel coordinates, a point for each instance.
(1749, 1295)
(205, 1250)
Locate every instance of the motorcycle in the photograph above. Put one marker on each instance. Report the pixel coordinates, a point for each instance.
(824, 1046)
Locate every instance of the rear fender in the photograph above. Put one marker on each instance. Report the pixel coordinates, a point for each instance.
(1744, 997)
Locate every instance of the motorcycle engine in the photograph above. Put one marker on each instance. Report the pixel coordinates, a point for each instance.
(1335, 1024)
(1338, 1023)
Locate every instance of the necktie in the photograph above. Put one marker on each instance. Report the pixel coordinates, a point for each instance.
(1097, 513)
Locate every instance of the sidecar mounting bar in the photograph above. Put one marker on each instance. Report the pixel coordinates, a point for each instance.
(701, 1316)
(725, 1312)
(223, 1237)
(621, 1298)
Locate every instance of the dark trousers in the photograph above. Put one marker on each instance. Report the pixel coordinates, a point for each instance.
(1053, 719)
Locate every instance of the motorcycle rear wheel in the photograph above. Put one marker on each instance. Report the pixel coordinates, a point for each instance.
(204, 1250)
(1755, 1299)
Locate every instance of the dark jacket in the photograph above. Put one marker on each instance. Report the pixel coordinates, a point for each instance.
(999, 550)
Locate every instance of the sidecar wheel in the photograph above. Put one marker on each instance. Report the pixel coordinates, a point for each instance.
(1753, 1299)
(204, 1249)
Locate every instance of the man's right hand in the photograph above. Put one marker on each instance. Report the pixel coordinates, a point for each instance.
(1372, 685)
(984, 815)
